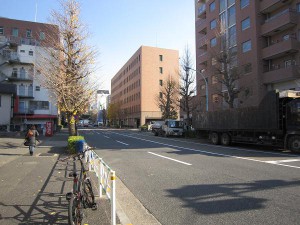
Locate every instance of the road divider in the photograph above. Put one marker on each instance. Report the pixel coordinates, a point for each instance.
(106, 180)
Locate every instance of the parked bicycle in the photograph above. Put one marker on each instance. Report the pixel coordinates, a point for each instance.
(82, 195)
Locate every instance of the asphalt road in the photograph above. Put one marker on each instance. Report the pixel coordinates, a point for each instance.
(181, 181)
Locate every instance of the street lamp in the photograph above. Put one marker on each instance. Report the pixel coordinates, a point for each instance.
(206, 84)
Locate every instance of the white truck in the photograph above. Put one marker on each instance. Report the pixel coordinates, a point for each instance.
(168, 128)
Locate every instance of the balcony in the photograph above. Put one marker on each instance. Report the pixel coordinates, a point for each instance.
(201, 26)
(16, 76)
(282, 21)
(267, 6)
(278, 74)
(281, 48)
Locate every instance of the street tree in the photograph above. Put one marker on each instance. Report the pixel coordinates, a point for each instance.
(67, 68)
(167, 99)
(186, 85)
(224, 63)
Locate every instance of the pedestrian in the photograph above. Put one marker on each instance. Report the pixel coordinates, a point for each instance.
(32, 135)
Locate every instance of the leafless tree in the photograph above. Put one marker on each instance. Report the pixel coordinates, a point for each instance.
(186, 85)
(167, 99)
(67, 67)
(224, 61)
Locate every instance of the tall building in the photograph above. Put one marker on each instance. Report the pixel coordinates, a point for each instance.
(264, 39)
(19, 43)
(135, 87)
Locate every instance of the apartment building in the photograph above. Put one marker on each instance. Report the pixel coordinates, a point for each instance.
(265, 39)
(138, 83)
(19, 43)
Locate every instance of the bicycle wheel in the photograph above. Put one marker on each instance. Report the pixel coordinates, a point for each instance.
(74, 212)
(88, 194)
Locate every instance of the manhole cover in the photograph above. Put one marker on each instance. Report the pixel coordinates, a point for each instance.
(47, 154)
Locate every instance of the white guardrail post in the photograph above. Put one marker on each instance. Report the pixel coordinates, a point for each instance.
(106, 180)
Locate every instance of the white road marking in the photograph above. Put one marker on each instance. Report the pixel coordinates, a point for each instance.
(105, 136)
(170, 159)
(212, 153)
(283, 161)
(121, 142)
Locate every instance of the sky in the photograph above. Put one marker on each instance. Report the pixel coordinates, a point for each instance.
(119, 27)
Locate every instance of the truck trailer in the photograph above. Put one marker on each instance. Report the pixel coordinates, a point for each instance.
(274, 122)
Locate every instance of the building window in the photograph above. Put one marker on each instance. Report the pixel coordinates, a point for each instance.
(246, 23)
(213, 42)
(231, 16)
(247, 68)
(161, 58)
(244, 3)
(230, 2)
(37, 88)
(160, 82)
(298, 7)
(215, 98)
(39, 105)
(22, 51)
(160, 70)
(232, 36)
(213, 24)
(42, 36)
(222, 5)
(212, 6)
(28, 33)
(246, 46)
(1, 30)
(30, 53)
(214, 80)
(15, 32)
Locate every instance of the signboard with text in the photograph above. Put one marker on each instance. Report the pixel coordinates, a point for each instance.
(49, 129)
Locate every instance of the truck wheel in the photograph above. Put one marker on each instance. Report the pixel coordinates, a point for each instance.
(294, 143)
(155, 134)
(225, 139)
(215, 139)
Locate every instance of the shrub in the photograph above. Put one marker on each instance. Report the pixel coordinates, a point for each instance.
(72, 143)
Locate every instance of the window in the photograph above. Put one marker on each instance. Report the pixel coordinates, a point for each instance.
(215, 98)
(213, 24)
(222, 5)
(161, 58)
(231, 16)
(214, 80)
(37, 88)
(230, 2)
(161, 70)
(246, 46)
(39, 105)
(212, 6)
(21, 90)
(298, 7)
(28, 33)
(244, 3)
(232, 36)
(247, 68)
(42, 36)
(1, 30)
(246, 23)
(14, 72)
(15, 32)
(160, 82)
(213, 42)
(30, 53)
(22, 51)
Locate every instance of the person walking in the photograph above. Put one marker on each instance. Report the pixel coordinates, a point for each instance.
(32, 135)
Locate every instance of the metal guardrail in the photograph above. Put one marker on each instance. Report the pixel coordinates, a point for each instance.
(106, 180)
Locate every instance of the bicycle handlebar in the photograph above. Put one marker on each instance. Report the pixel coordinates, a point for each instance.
(88, 148)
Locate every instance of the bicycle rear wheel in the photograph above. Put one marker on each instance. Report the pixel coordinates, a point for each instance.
(75, 211)
(89, 197)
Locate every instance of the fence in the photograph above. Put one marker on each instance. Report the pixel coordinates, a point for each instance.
(106, 180)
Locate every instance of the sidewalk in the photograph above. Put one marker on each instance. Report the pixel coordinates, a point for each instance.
(33, 188)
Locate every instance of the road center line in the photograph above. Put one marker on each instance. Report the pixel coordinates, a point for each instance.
(170, 159)
(121, 142)
(106, 136)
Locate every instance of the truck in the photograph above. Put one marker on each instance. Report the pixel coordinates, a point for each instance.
(168, 127)
(274, 122)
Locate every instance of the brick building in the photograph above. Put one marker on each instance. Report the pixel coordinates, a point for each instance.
(137, 84)
(264, 36)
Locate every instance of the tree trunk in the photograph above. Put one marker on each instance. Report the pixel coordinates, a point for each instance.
(71, 125)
